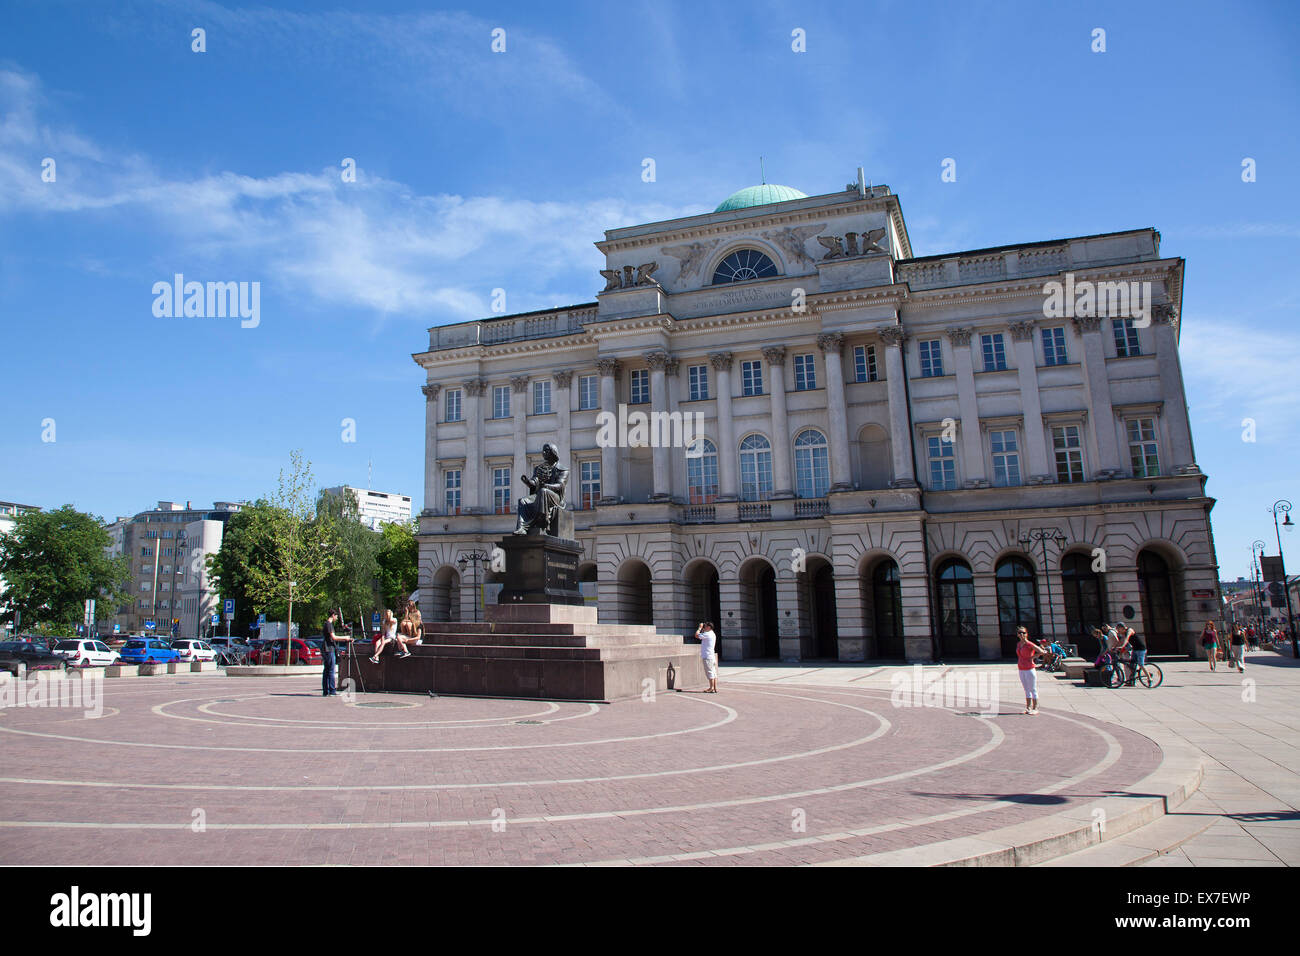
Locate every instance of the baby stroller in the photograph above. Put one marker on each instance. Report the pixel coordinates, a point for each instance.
(1055, 659)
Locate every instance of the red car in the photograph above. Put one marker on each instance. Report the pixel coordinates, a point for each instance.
(303, 653)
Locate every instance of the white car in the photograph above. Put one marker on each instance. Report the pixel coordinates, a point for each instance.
(86, 653)
(191, 650)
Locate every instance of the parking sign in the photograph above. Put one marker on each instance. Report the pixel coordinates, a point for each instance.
(229, 607)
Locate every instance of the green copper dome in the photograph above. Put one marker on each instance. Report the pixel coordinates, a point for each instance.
(759, 196)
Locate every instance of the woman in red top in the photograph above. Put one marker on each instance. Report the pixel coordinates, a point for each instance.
(1026, 652)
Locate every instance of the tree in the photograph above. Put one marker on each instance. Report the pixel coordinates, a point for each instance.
(52, 561)
(297, 552)
(399, 563)
(240, 550)
(353, 587)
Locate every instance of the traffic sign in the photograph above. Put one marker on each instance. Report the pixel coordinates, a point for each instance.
(216, 618)
(90, 612)
(261, 620)
(149, 625)
(117, 628)
(228, 606)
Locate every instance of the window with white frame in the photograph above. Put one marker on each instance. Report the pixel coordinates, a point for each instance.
(588, 392)
(451, 405)
(805, 372)
(697, 377)
(864, 364)
(755, 468)
(812, 465)
(931, 358)
(451, 491)
(640, 387)
(501, 490)
(1067, 443)
(1142, 450)
(994, 350)
(501, 401)
(1053, 346)
(942, 456)
(145, 586)
(751, 378)
(702, 472)
(1126, 338)
(589, 483)
(1006, 458)
(542, 397)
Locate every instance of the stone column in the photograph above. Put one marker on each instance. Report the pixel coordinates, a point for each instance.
(609, 452)
(731, 637)
(986, 615)
(560, 404)
(972, 465)
(783, 485)
(430, 447)
(471, 484)
(676, 474)
(837, 411)
(1101, 416)
(793, 625)
(900, 421)
(1181, 455)
(662, 488)
(519, 412)
(1036, 470)
(728, 453)
(850, 626)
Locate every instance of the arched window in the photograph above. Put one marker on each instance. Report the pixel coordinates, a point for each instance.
(956, 595)
(1017, 601)
(755, 468)
(812, 466)
(1085, 601)
(887, 605)
(702, 472)
(742, 265)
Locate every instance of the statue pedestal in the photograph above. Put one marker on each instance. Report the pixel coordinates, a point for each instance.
(540, 569)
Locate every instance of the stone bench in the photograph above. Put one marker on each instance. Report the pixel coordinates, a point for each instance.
(122, 670)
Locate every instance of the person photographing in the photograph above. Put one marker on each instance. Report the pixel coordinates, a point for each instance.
(708, 639)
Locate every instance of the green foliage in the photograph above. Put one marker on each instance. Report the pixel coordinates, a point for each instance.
(51, 562)
(228, 568)
(399, 563)
(353, 587)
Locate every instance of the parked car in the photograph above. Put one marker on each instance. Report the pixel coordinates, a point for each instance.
(306, 654)
(22, 657)
(138, 650)
(80, 652)
(188, 649)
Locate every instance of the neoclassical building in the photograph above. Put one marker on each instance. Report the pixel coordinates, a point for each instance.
(898, 457)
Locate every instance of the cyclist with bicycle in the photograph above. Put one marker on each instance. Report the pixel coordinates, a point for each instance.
(1130, 639)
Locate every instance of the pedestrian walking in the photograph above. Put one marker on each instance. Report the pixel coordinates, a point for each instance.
(1210, 641)
(709, 654)
(1237, 649)
(329, 654)
(1026, 652)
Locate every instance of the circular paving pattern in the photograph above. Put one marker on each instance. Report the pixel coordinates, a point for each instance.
(252, 771)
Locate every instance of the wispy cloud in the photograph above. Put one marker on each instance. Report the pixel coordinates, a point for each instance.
(1235, 371)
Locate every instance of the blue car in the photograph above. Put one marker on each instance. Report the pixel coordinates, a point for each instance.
(138, 650)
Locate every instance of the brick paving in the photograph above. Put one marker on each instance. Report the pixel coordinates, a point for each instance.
(264, 771)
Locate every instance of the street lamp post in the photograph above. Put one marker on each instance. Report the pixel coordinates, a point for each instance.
(1044, 535)
(1255, 546)
(1284, 507)
(474, 558)
(178, 555)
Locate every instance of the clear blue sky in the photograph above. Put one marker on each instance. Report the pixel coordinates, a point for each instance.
(479, 170)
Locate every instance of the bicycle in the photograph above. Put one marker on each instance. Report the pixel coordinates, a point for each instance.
(1122, 671)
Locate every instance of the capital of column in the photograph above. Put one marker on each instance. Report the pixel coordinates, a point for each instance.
(671, 366)
(893, 335)
(563, 378)
(1087, 323)
(958, 336)
(474, 387)
(609, 367)
(1164, 313)
(656, 360)
(1022, 331)
(721, 361)
(830, 342)
(431, 392)
(519, 383)
(775, 354)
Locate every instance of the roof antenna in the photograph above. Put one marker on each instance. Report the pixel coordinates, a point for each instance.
(762, 172)
(862, 184)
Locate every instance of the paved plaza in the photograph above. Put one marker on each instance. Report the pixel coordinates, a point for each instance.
(786, 765)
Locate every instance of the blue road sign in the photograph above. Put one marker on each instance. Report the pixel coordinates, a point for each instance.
(261, 620)
(149, 625)
(117, 628)
(216, 618)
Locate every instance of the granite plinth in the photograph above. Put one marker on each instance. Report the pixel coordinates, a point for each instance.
(540, 569)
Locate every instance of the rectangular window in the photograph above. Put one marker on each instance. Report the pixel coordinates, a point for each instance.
(1126, 338)
(501, 491)
(542, 397)
(588, 392)
(146, 552)
(931, 359)
(1068, 446)
(1006, 458)
(501, 401)
(167, 553)
(805, 372)
(943, 463)
(698, 376)
(640, 387)
(864, 364)
(1142, 447)
(751, 378)
(451, 495)
(994, 351)
(589, 483)
(452, 405)
(1054, 347)
(145, 586)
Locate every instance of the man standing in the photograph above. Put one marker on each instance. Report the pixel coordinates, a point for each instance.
(329, 653)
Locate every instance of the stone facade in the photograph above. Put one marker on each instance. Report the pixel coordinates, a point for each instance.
(906, 456)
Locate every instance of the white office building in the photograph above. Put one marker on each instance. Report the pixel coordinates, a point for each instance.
(377, 508)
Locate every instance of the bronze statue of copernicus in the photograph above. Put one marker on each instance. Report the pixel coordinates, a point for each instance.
(547, 484)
